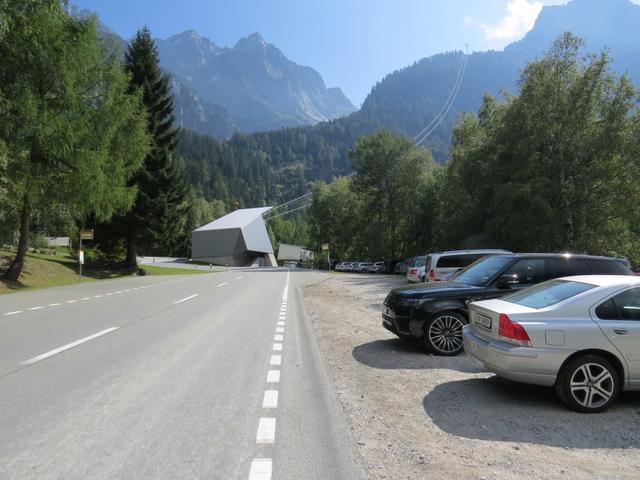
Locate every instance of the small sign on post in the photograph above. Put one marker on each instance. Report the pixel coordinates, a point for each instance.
(325, 247)
(86, 234)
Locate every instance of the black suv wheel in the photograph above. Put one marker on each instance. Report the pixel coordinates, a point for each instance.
(588, 384)
(443, 333)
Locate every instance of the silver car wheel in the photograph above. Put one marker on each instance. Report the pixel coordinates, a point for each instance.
(445, 334)
(592, 385)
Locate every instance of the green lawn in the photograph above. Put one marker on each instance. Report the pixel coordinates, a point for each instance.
(155, 270)
(46, 271)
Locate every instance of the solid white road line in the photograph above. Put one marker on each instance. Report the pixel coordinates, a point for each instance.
(266, 430)
(278, 338)
(14, 313)
(275, 360)
(261, 469)
(186, 299)
(277, 347)
(270, 399)
(279, 329)
(273, 376)
(51, 353)
(223, 284)
(36, 308)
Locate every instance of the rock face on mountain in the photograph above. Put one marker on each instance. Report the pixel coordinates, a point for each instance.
(254, 82)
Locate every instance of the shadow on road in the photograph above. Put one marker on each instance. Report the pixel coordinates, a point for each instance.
(396, 354)
(499, 410)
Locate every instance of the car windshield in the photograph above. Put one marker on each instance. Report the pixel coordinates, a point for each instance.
(548, 293)
(419, 262)
(480, 272)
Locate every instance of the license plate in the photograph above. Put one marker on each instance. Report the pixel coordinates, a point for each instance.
(482, 320)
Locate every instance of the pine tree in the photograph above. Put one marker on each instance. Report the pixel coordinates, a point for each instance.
(73, 133)
(156, 223)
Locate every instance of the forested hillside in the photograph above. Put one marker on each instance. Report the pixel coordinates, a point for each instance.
(407, 100)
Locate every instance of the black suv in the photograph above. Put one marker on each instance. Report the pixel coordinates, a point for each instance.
(435, 312)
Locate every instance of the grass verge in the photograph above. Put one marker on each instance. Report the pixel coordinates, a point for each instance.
(46, 271)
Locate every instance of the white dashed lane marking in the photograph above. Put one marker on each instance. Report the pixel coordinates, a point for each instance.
(266, 430)
(14, 313)
(270, 399)
(66, 347)
(279, 329)
(186, 299)
(273, 376)
(261, 469)
(278, 338)
(277, 347)
(276, 360)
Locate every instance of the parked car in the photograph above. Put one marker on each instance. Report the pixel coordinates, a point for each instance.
(339, 267)
(400, 268)
(580, 335)
(378, 267)
(441, 265)
(366, 267)
(435, 312)
(416, 270)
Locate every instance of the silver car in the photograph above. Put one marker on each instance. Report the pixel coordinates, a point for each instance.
(580, 335)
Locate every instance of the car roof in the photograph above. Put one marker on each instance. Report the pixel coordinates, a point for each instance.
(561, 255)
(605, 280)
(477, 250)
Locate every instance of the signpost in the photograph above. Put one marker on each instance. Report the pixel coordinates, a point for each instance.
(85, 234)
(325, 248)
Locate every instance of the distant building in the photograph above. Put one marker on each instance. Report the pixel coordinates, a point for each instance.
(294, 252)
(58, 241)
(238, 239)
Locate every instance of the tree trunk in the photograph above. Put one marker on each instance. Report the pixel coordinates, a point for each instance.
(15, 269)
(132, 254)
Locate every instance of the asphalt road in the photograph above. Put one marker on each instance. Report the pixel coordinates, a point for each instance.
(213, 376)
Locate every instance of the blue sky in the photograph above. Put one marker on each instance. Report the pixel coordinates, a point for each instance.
(352, 43)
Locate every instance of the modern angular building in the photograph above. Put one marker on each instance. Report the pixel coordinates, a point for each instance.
(238, 239)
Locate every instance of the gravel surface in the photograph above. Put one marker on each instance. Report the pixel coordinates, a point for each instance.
(417, 416)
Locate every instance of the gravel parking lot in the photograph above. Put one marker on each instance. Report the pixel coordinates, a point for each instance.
(416, 416)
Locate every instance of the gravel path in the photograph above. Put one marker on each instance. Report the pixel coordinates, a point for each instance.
(416, 416)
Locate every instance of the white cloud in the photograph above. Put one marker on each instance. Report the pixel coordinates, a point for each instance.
(518, 20)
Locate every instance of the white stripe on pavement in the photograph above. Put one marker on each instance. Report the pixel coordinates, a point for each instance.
(14, 313)
(223, 284)
(266, 430)
(261, 469)
(276, 360)
(279, 329)
(186, 299)
(270, 399)
(36, 308)
(277, 347)
(51, 353)
(273, 376)
(278, 338)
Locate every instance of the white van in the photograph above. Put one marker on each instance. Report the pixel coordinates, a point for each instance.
(440, 266)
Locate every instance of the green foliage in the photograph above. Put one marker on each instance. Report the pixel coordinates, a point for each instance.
(553, 168)
(158, 223)
(74, 134)
(376, 213)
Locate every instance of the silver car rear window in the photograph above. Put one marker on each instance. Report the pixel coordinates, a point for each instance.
(548, 293)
